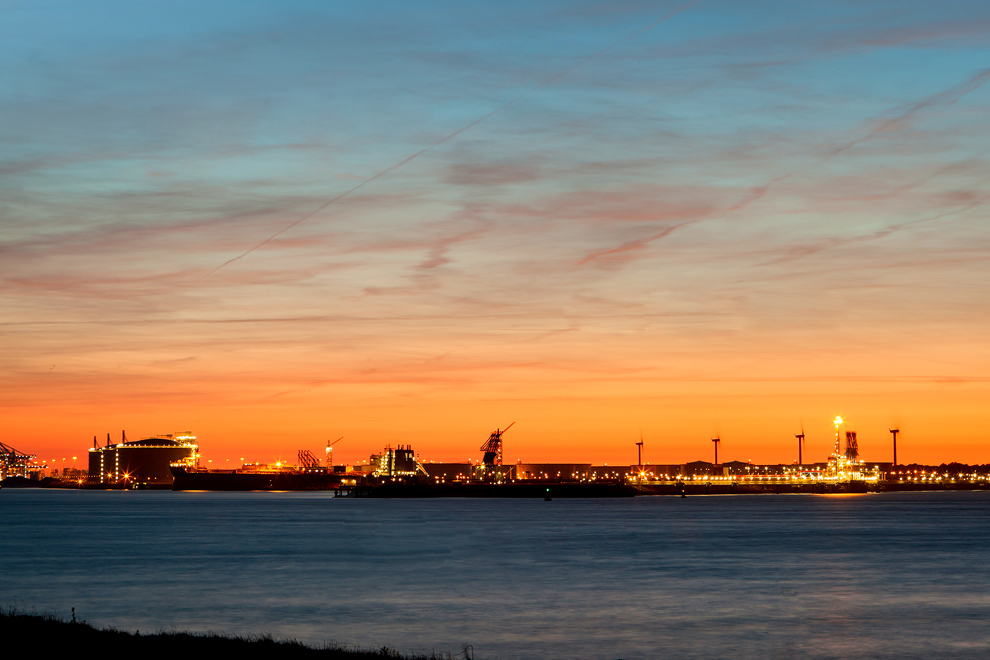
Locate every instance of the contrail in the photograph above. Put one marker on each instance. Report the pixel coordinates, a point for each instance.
(945, 97)
(755, 194)
(828, 244)
(586, 60)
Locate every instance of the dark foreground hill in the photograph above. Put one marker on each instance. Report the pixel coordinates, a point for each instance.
(56, 636)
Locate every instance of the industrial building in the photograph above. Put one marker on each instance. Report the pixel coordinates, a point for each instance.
(140, 462)
(398, 462)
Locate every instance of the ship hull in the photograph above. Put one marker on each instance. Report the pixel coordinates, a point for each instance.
(230, 480)
(511, 490)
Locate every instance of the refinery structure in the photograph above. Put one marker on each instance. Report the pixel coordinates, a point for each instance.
(846, 466)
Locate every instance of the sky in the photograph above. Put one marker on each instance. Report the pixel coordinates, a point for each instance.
(277, 224)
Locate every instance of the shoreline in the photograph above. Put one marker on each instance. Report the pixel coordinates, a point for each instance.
(568, 490)
(72, 636)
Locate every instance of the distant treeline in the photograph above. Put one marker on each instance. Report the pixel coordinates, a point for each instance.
(54, 635)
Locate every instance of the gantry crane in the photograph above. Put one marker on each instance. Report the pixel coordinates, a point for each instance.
(307, 460)
(491, 464)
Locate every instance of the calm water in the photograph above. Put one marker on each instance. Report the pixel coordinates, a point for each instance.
(886, 576)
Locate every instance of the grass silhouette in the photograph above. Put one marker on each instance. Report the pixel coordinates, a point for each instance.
(53, 634)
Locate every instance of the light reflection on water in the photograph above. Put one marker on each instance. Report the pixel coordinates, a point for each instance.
(897, 575)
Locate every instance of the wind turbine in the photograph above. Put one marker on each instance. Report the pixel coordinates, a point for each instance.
(800, 439)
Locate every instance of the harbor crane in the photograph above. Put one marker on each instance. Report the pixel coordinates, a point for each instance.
(307, 460)
(492, 461)
(14, 463)
(330, 453)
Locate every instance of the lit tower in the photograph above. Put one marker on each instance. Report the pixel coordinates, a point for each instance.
(330, 453)
(835, 461)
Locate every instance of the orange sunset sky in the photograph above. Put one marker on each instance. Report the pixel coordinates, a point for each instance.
(267, 227)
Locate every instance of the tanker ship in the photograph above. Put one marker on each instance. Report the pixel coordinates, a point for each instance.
(308, 475)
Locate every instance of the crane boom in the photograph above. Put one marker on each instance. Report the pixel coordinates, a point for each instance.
(492, 461)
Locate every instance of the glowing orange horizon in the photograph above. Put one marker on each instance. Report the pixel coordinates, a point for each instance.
(676, 423)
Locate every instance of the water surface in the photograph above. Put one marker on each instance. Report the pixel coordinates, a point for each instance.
(894, 575)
